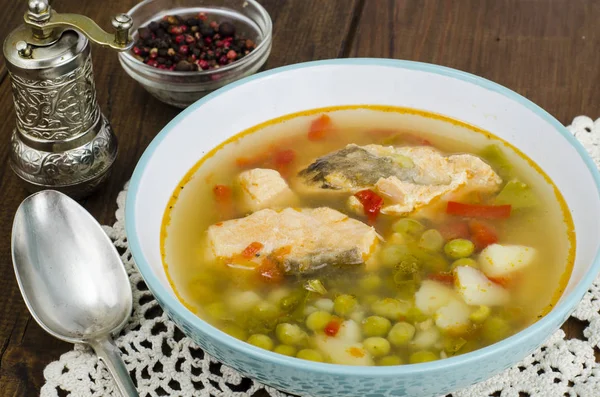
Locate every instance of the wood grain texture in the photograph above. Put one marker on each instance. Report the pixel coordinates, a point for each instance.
(548, 51)
(136, 118)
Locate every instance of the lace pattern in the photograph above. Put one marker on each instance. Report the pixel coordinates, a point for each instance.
(163, 362)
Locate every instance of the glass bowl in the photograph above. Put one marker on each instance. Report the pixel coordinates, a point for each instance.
(181, 89)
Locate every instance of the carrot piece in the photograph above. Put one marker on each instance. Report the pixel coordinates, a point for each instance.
(446, 278)
(482, 234)
(222, 192)
(502, 281)
(453, 230)
(284, 157)
(319, 127)
(269, 272)
(478, 211)
(356, 352)
(332, 327)
(371, 203)
(252, 249)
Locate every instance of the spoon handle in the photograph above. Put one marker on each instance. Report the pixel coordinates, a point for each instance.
(109, 353)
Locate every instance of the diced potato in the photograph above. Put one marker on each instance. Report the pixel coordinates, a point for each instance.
(354, 205)
(498, 260)
(432, 295)
(425, 338)
(241, 301)
(324, 304)
(339, 351)
(350, 332)
(454, 317)
(476, 289)
(264, 188)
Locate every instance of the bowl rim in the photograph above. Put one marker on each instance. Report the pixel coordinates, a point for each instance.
(260, 48)
(561, 310)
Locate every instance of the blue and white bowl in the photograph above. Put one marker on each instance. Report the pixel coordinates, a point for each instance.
(290, 89)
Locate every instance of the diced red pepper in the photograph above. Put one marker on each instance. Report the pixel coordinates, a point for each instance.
(222, 192)
(269, 272)
(478, 211)
(332, 327)
(284, 157)
(319, 128)
(251, 250)
(371, 202)
(453, 230)
(446, 278)
(482, 234)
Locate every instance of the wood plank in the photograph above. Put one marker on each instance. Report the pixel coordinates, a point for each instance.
(544, 50)
(136, 118)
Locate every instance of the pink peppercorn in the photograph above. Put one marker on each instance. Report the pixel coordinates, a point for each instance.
(184, 49)
(202, 64)
(180, 39)
(152, 63)
(232, 55)
(189, 39)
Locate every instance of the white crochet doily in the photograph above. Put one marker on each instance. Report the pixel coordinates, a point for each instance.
(163, 362)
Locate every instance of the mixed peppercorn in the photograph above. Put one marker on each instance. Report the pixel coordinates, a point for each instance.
(190, 43)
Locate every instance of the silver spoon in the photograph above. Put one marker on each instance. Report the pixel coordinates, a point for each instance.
(71, 277)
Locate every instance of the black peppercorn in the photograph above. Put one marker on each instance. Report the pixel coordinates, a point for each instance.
(160, 32)
(185, 66)
(191, 22)
(226, 29)
(196, 52)
(145, 33)
(153, 26)
(206, 31)
(161, 60)
(163, 52)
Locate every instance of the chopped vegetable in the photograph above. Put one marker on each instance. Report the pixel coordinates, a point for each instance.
(496, 158)
(446, 278)
(478, 210)
(454, 317)
(431, 240)
(318, 320)
(283, 157)
(453, 230)
(495, 329)
(222, 192)
(269, 271)
(459, 248)
(332, 327)
(315, 286)
(390, 308)
(324, 304)
(286, 350)
(517, 194)
(453, 345)
(409, 228)
(481, 314)
(262, 341)
(371, 202)
(422, 356)
(401, 333)
(319, 128)
(390, 360)
(251, 250)
(291, 334)
(500, 261)
(310, 354)
(344, 305)
(476, 289)
(370, 282)
(426, 338)
(377, 346)
(376, 326)
(464, 262)
(432, 295)
(482, 234)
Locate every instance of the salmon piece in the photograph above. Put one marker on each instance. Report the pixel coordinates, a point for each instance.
(264, 188)
(409, 178)
(299, 240)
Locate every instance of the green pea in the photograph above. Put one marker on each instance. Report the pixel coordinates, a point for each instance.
(265, 311)
(401, 333)
(391, 308)
(376, 326)
(370, 282)
(310, 354)
(261, 340)
(389, 360)
(459, 248)
(377, 346)
(481, 314)
(291, 301)
(422, 356)
(409, 227)
(324, 304)
(344, 304)
(286, 350)
(218, 311)
(495, 329)
(431, 240)
(470, 262)
(291, 334)
(318, 320)
(235, 331)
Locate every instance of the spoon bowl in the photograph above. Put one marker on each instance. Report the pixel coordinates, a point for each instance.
(71, 276)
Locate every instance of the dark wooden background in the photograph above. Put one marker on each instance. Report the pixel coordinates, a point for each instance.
(547, 50)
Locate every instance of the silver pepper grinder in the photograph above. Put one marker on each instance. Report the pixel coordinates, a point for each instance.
(62, 141)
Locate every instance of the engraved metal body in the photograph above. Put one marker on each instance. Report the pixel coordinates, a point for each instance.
(61, 140)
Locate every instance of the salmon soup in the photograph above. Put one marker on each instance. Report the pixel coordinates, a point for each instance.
(367, 235)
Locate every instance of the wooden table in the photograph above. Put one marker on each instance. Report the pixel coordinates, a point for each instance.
(546, 50)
